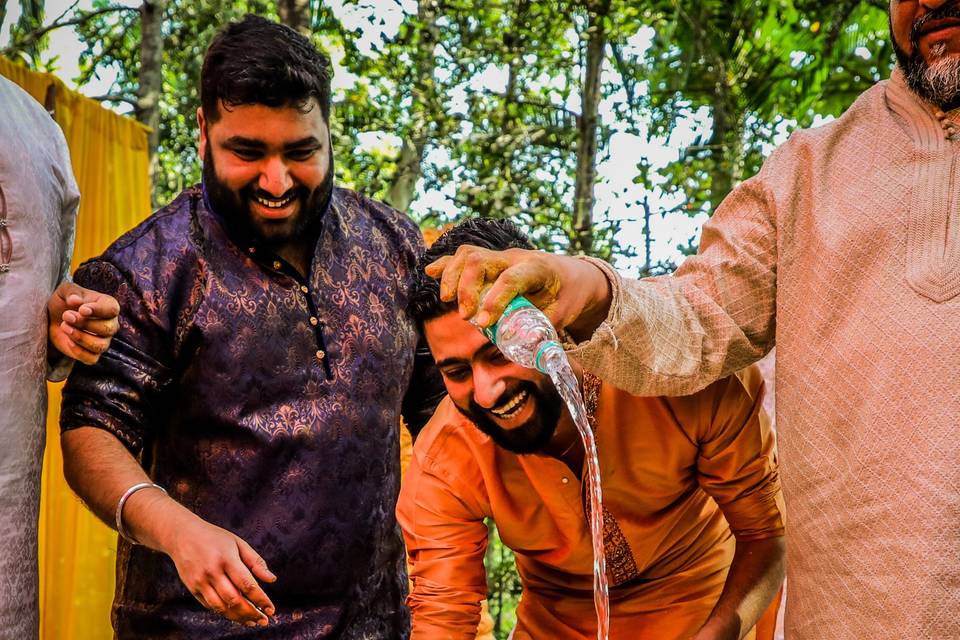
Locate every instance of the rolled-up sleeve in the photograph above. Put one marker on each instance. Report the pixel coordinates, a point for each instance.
(121, 393)
(737, 464)
(446, 540)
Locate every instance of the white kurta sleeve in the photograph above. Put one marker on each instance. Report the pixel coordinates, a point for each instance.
(58, 368)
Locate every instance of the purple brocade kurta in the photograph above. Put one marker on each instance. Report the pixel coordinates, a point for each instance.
(268, 405)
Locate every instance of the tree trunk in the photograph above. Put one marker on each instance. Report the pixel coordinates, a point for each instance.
(151, 78)
(296, 15)
(581, 241)
(726, 142)
(403, 185)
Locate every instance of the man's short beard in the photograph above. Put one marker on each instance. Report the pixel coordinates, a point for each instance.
(939, 82)
(234, 207)
(535, 433)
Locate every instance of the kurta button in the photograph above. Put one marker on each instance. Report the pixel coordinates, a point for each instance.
(564, 480)
(276, 264)
(314, 321)
(321, 355)
(252, 250)
(304, 288)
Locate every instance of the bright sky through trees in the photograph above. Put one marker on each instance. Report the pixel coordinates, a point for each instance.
(615, 187)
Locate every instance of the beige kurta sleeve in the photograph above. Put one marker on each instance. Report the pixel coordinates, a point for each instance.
(674, 335)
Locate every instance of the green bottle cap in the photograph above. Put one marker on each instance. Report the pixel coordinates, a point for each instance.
(541, 352)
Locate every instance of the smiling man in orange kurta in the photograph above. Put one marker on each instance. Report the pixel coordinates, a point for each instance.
(692, 504)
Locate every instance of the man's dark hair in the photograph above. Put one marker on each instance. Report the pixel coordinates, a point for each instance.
(257, 61)
(488, 233)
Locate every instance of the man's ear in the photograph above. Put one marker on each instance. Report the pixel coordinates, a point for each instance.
(202, 125)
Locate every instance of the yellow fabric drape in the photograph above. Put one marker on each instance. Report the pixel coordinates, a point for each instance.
(110, 161)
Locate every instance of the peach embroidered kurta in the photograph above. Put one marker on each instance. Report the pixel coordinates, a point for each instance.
(675, 471)
(844, 251)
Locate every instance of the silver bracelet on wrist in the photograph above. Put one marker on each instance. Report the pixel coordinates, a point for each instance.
(123, 500)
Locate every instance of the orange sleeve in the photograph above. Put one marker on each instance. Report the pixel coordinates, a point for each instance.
(446, 540)
(737, 465)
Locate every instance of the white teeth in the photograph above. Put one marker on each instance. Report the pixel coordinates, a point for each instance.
(273, 204)
(512, 407)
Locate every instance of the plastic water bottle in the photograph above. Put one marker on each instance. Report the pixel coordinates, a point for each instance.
(525, 335)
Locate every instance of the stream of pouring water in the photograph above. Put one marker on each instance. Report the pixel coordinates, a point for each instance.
(525, 336)
(557, 366)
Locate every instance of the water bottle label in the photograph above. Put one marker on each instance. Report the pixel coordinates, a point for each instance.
(517, 303)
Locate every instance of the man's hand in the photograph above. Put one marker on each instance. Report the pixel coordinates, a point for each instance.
(219, 568)
(82, 322)
(221, 571)
(755, 576)
(573, 293)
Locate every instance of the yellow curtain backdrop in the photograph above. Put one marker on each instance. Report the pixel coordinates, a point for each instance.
(110, 160)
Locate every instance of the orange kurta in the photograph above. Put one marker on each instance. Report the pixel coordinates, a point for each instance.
(675, 472)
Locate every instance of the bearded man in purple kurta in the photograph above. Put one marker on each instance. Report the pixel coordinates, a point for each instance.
(243, 433)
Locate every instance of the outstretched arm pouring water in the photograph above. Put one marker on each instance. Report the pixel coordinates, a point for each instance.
(667, 335)
(575, 294)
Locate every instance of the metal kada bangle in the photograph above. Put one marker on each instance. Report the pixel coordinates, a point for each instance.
(123, 500)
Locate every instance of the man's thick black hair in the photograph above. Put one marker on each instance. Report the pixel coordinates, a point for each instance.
(488, 233)
(257, 61)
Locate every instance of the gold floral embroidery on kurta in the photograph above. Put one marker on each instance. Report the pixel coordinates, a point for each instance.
(621, 566)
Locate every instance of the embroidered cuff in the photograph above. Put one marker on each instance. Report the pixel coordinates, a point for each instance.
(604, 334)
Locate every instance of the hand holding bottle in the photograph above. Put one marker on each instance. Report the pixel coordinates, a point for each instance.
(525, 336)
(574, 294)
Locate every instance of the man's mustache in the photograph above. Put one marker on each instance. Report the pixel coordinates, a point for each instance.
(507, 396)
(949, 10)
(256, 192)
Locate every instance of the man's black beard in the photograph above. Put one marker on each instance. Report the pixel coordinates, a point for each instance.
(533, 435)
(941, 88)
(234, 207)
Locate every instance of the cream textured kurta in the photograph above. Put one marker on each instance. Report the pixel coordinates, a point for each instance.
(38, 206)
(844, 251)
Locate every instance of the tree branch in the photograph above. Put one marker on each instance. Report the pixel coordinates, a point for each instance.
(66, 11)
(116, 97)
(530, 102)
(35, 35)
(625, 75)
(110, 40)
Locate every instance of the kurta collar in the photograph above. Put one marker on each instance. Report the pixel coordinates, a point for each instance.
(914, 115)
